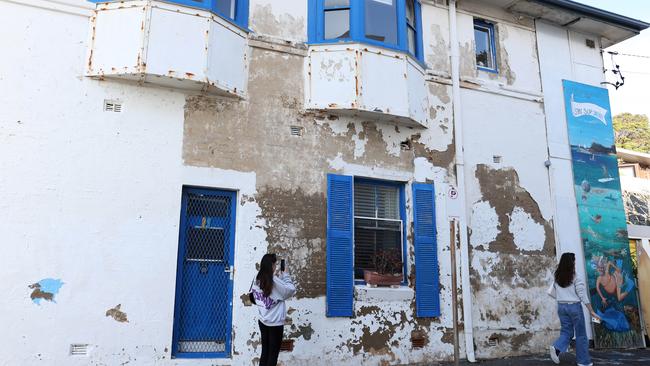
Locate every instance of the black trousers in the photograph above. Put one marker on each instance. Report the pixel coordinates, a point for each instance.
(271, 340)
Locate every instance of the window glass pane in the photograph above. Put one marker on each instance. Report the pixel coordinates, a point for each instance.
(226, 8)
(411, 39)
(364, 200)
(410, 12)
(483, 48)
(337, 24)
(381, 20)
(627, 171)
(377, 246)
(336, 4)
(387, 202)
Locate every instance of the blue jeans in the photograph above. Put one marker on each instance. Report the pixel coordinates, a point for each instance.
(572, 320)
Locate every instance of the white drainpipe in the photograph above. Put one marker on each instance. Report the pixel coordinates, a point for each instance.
(460, 182)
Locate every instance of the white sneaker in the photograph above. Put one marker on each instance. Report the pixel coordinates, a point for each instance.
(555, 355)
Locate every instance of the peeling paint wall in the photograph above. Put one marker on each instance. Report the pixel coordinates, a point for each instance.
(107, 188)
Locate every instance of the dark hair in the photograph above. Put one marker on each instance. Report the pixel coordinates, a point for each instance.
(566, 270)
(265, 274)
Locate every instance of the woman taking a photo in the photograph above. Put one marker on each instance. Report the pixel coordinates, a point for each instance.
(570, 291)
(270, 293)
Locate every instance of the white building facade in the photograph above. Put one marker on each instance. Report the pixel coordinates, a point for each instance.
(153, 151)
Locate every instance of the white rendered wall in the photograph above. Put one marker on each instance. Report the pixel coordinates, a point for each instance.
(564, 55)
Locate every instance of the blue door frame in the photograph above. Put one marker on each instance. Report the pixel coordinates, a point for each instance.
(204, 283)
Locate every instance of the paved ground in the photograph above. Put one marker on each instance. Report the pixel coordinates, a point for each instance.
(624, 358)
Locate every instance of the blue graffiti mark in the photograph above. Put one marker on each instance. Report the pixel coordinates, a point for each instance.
(45, 289)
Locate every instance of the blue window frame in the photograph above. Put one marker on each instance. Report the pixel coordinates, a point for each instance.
(393, 24)
(486, 56)
(235, 11)
(379, 224)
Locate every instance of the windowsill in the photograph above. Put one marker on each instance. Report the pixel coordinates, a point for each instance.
(487, 69)
(366, 293)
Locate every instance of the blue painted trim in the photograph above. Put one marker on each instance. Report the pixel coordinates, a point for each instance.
(241, 10)
(186, 190)
(340, 246)
(179, 272)
(316, 27)
(478, 23)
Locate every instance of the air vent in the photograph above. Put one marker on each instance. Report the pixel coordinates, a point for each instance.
(78, 350)
(497, 159)
(418, 341)
(286, 345)
(296, 130)
(112, 106)
(590, 43)
(493, 341)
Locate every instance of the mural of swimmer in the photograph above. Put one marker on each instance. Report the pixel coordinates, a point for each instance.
(603, 224)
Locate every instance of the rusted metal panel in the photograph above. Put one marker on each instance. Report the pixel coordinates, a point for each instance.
(361, 80)
(168, 45)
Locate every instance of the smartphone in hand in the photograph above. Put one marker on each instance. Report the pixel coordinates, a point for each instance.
(282, 265)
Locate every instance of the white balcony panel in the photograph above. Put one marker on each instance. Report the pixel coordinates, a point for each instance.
(168, 45)
(384, 84)
(176, 45)
(369, 82)
(226, 57)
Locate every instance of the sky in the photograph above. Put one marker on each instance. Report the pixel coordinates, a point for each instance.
(634, 96)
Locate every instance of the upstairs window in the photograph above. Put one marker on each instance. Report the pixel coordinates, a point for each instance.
(394, 24)
(486, 57)
(235, 11)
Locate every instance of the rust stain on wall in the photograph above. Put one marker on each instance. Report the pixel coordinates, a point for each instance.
(117, 314)
(39, 294)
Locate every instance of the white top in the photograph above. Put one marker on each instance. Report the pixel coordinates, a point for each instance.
(272, 309)
(575, 292)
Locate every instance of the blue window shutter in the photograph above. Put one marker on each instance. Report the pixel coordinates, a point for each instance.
(340, 272)
(427, 290)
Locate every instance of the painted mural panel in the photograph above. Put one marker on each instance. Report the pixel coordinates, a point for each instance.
(602, 218)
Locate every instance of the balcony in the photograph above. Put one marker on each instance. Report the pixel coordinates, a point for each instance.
(169, 45)
(368, 82)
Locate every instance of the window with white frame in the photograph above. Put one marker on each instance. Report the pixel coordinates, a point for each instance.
(486, 58)
(394, 24)
(378, 227)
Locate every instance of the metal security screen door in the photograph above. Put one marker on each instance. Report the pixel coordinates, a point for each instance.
(203, 311)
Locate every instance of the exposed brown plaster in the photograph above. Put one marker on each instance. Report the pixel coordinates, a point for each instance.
(503, 57)
(295, 220)
(443, 159)
(38, 294)
(304, 331)
(117, 314)
(502, 190)
(438, 58)
(264, 21)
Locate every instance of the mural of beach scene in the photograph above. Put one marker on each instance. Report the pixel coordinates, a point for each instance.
(601, 212)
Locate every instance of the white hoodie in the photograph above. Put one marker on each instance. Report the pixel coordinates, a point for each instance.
(272, 309)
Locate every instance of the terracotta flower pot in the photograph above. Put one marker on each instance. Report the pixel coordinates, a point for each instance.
(377, 279)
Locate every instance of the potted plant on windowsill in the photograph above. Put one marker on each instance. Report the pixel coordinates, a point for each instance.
(388, 269)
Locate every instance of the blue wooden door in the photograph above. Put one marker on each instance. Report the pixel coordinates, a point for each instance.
(203, 311)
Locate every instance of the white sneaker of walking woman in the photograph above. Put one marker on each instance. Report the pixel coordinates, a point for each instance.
(555, 356)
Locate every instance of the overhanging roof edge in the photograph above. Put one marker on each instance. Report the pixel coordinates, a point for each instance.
(595, 13)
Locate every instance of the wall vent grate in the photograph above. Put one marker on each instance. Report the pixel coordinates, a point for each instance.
(296, 130)
(112, 106)
(78, 350)
(286, 345)
(497, 159)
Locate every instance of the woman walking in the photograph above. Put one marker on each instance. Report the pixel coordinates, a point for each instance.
(270, 293)
(569, 291)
